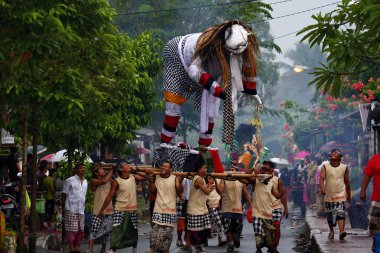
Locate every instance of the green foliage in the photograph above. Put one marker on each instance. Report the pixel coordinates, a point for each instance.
(349, 35)
(67, 61)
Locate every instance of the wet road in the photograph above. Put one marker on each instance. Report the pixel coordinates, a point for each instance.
(290, 229)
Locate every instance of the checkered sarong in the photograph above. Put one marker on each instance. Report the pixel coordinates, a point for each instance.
(335, 211)
(198, 222)
(164, 218)
(258, 225)
(235, 225)
(277, 214)
(216, 222)
(73, 221)
(100, 226)
(181, 208)
(118, 218)
(374, 217)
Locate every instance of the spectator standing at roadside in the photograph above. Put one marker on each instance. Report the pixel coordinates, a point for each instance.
(48, 183)
(100, 226)
(319, 200)
(311, 170)
(286, 179)
(13, 166)
(335, 185)
(372, 169)
(42, 171)
(73, 203)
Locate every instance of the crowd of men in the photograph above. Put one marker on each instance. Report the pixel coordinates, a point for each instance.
(203, 207)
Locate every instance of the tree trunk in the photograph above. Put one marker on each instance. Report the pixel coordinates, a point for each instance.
(33, 215)
(69, 162)
(21, 247)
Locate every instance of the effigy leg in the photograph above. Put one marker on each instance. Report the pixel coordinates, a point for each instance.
(205, 139)
(173, 103)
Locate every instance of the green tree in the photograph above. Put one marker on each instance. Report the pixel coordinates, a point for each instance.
(71, 79)
(349, 36)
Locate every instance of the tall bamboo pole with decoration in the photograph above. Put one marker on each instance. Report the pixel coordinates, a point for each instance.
(258, 124)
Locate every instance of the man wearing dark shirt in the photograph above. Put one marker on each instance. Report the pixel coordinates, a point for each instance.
(12, 164)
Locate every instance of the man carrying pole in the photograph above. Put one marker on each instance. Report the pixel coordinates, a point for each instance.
(167, 187)
(262, 206)
(198, 219)
(232, 208)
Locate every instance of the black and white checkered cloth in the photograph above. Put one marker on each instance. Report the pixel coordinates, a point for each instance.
(164, 218)
(181, 208)
(198, 222)
(100, 226)
(217, 227)
(277, 214)
(175, 155)
(73, 221)
(119, 215)
(215, 216)
(258, 225)
(374, 217)
(228, 118)
(235, 225)
(175, 78)
(335, 211)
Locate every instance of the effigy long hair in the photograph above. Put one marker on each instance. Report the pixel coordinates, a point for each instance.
(212, 41)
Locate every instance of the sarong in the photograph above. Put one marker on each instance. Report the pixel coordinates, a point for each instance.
(101, 227)
(374, 218)
(198, 222)
(72, 220)
(277, 215)
(233, 223)
(335, 211)
(216, 222)
(124, 230)
(161, 237)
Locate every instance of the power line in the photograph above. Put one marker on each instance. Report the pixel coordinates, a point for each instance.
(195, 7)
(285, 35)
(259, 21)
(294, 13)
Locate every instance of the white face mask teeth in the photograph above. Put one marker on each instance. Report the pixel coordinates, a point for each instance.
(236, 39)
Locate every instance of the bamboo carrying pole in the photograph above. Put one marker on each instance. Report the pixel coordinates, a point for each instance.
(156, 171)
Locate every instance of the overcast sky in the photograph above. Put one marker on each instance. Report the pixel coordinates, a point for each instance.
(285, 25)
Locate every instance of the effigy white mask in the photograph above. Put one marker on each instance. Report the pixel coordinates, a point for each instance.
(236, 39)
